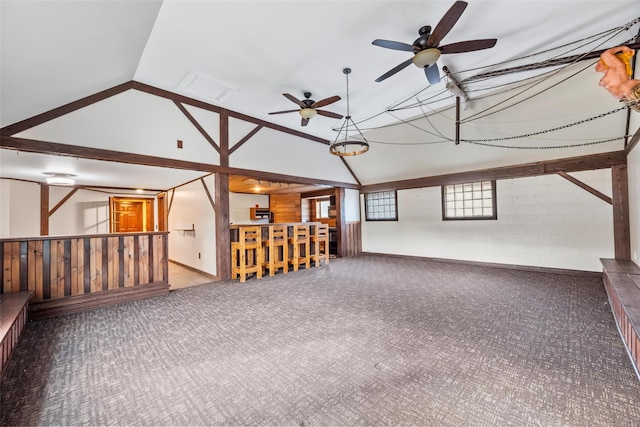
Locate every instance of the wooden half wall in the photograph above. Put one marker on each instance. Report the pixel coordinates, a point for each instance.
(71, 273)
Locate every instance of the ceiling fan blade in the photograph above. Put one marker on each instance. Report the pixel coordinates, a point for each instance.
(286, 111)
(389, 44)
(294, 100)
(394, 70)
(468, 46)
(304, 122)
(326, 101)
(446, 23)
(329, 114)
(432, 73)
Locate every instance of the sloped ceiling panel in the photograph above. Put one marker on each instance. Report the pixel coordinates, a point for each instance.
(55, 52)
(132, 122)
(277, 152)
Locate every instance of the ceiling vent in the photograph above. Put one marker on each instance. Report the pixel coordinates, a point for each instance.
(203, 86)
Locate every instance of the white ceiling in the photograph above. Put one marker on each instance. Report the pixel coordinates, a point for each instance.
(55, 52)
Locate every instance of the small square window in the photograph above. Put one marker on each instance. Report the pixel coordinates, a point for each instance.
(381, 206)
(474, 200)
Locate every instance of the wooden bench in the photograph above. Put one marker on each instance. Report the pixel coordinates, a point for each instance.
(13, 318)
(622, 283)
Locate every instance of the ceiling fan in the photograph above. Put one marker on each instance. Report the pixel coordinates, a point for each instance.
(426, 48)
(308, 107)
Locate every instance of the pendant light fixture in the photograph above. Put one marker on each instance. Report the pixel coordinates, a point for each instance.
(348, 147)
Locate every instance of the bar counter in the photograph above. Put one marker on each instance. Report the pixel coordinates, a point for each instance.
(259, 246)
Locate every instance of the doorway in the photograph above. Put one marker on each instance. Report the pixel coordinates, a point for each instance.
(131, 215)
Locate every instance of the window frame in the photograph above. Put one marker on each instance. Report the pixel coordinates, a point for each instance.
(367, 207)
(494, 203)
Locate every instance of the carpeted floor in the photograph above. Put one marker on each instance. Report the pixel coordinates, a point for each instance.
(368, 340)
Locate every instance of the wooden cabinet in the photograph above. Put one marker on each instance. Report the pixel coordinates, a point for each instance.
(260, 213)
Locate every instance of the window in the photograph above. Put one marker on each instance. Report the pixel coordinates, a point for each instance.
(322, 208)
(475, 200)
(381, 206)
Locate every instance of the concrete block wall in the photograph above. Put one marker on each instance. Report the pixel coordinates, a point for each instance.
(543, 221)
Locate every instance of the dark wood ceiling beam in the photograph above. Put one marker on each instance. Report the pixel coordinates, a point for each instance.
(53, 148)
(571, 164)
(200, 104)
(245, 139)
(65, 109)
(195, 123)
(586, 187)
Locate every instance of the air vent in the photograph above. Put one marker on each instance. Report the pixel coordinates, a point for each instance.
(203, 86)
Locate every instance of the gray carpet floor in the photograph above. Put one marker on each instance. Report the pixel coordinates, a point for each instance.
(368, 340)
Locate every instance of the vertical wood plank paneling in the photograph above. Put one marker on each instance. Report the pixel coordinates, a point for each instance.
(136, 261)
(129, 259)
(121, 264)
(165, 256)
(73, 255)
(2, 275)
(6, 268)
(150, 259)
(31, 262)
(86, 265)
(143, 260)
(93, 273)
(60, 270)
(112, 261)
(39, 274)
(24, 266)
(15, 267)
(67, 267)
(104, 263)
(53, 268)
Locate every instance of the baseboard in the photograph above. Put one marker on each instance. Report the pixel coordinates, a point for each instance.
(204, 273)
(60, 306)
(499, 265)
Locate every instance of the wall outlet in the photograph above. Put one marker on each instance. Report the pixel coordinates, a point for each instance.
(635, 256)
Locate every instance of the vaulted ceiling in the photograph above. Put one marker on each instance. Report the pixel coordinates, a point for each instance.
(242, 56)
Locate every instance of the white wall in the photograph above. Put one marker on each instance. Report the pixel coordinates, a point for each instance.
(86, 212)
(20, 212)
(351, 205)
(239, 205)
(542, 221)
(191, 206)
(633, 171)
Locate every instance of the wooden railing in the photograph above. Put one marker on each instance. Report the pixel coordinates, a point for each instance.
(354, 239)
(70, 273)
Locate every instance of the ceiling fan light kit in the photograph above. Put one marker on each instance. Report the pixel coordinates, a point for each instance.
(307, 113)
(426, 49)
(348, 147)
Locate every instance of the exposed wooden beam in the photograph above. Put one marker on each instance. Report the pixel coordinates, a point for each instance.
(571, 164)
(245, 139)
(621, 228)
(208, 193)
(65, 109)
(633, 142)
(44, 209)
(196, 103)
(53, 148)
(195, 123)
(586, 187)
(223, 233)
(64, 199)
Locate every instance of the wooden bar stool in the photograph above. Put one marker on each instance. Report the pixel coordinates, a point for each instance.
(276, 249)
(300, 251)
(320, 241)
(246, 253)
